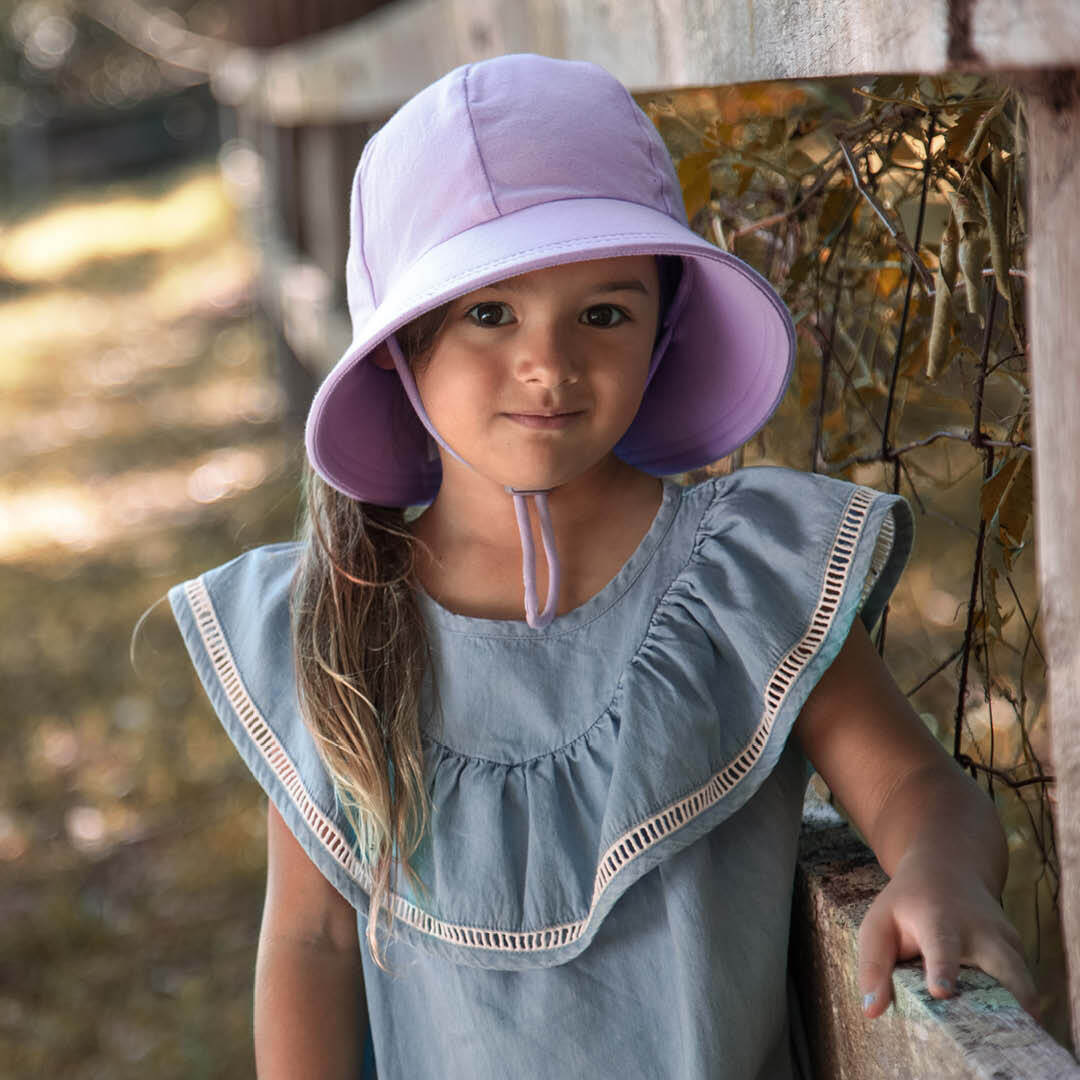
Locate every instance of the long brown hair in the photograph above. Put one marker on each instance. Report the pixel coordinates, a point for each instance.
(361, 651)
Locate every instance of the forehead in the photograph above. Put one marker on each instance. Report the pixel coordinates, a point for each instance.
(631, 272)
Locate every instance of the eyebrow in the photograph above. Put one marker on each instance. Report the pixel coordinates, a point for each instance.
(631, 285)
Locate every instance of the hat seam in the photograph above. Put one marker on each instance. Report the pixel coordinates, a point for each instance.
(638, 116)
(362, 232)
(476, 141)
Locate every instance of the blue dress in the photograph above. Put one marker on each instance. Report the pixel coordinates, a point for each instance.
(615, 804)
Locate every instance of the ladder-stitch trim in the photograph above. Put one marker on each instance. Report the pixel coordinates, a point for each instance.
(632, 843)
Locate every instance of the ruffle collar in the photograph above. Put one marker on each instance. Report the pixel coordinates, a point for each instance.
(725, 617)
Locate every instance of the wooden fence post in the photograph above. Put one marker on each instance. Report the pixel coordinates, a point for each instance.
(1053, 109)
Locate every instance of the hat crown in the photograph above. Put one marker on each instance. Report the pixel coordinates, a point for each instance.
(459, 154)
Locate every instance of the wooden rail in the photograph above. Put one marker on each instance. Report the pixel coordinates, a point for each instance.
(306, 107)
(1053, 104)
(366, 69)
(980, 1033)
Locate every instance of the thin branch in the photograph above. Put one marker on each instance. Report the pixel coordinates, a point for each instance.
(783, 215)
(826, 358)
(1023, 615)
(916, 262)
(910, 102)
(894, 232)
(937, 671)
(976, 575)
(967, 762)
(895, 452)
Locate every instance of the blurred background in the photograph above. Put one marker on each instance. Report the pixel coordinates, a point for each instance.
(170, 291)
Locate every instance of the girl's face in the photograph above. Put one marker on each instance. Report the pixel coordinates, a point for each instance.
(534, 379)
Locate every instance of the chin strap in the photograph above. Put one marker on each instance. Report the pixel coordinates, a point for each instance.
(528, 550)
(528, 556)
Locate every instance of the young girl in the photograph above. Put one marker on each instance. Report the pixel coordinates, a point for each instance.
(563, 845)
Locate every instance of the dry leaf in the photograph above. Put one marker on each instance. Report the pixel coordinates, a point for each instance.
(944, 279)
(1014, 510)
(994, 488)
(997, 229)
(695, 180)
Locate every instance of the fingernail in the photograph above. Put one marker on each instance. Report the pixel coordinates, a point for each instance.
(944, 984)
(868, 1000)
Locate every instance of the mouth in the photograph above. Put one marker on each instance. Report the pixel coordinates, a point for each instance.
(546, 420)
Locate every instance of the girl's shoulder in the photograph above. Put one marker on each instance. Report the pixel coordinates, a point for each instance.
(793, 540)
(765, 523)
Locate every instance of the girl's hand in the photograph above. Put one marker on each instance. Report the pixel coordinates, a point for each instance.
(937, 907)
(934, 832)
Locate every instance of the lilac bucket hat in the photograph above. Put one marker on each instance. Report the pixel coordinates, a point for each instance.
(511, 165)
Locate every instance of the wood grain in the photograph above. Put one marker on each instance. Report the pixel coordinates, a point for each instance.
(1053, 109)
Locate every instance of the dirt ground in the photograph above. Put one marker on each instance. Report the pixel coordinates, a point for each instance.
(144, 439)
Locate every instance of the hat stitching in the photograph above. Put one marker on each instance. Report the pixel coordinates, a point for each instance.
(638, 117)
(476, 142)
(358, 225)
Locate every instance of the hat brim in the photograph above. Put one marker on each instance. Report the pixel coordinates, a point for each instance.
(723, 373)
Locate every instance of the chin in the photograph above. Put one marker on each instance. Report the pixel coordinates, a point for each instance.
(544, 478)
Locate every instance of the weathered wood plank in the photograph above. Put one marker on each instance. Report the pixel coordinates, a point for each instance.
(1053, 109)
(365, 70)
(1025, 33)
(980, 1033)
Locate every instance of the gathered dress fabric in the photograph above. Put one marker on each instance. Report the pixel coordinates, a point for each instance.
(606, 878)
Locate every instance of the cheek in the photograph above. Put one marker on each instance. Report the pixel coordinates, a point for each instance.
(453, 390)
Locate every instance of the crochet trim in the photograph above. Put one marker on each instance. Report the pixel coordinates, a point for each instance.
(631, 844)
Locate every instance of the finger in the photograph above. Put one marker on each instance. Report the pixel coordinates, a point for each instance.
(1005, 962)
(877, 957)
(942, 950)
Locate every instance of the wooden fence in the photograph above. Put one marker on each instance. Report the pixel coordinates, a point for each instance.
(306, 106)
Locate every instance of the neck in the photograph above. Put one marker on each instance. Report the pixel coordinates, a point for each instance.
(471, 509)
(471, 532)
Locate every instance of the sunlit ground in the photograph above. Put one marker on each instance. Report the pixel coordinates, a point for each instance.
(142, 439)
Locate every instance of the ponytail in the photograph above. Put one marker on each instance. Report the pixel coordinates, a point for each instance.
(360, 651)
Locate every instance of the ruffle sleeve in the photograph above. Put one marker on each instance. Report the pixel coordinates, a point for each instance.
(234, 620)
(712, 637)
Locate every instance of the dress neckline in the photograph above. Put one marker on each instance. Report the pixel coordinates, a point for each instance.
(596, 605)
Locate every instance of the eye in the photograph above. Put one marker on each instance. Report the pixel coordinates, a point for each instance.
(603, 316)
(490, 313)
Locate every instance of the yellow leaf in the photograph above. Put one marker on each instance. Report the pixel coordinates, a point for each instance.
(904, 152)
(835, 421)
(888, 280)
(994, 488)
(695, 180)
(990, 602)
(832, 209)
(917, 359)
(745, 174)
(809, 377)
(958, 136)
(1014, 511)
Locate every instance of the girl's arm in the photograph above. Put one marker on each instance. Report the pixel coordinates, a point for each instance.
(934, 832)
(308, 983)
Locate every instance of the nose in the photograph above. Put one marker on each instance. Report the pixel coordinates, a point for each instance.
(546, 357)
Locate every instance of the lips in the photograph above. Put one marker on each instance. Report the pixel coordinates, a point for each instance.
(546, 420)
